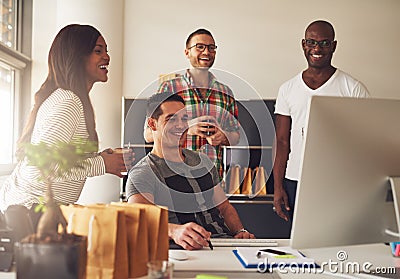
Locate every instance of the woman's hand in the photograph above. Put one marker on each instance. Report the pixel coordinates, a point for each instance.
(118, 161)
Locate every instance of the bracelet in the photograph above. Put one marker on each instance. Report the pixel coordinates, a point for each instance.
(241, 230)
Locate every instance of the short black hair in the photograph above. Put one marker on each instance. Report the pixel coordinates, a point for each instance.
(322, 22)
(156, 100)
(198, 32)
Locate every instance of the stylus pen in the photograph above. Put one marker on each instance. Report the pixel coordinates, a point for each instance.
(210, 245)
(272, 251)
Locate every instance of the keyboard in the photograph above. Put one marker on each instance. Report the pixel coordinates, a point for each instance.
(243, 242)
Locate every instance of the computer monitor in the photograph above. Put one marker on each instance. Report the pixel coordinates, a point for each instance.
(351, 149)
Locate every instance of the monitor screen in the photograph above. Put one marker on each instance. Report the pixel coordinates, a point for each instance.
(351, 148)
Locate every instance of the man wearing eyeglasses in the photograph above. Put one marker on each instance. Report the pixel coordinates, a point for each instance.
(211, 105)
(320, 78)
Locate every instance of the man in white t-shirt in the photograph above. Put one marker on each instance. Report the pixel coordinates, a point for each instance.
(320, 78)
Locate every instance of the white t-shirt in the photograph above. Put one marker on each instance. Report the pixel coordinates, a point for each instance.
(292, 100)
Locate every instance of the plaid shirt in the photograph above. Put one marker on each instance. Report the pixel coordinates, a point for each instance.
(218, 102)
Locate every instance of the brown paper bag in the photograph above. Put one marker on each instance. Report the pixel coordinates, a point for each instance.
(138, 244)
(234, 181)
(254, 173)
(107, 239)
(260, 182)
(247, 181)
(157, 220)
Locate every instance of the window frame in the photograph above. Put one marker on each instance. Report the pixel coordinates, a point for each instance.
(19, 59)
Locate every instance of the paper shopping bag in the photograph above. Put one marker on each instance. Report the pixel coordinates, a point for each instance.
(157, 220)
(260, 182)
(247, 181)
(234, 181)
(105, 229)
(138, 243)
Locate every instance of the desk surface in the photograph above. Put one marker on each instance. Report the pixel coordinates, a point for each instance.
(221, 261)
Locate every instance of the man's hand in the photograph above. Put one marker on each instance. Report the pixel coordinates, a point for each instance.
(281, 198)
(202, 126)
(218, 137)
(190, 235)
(283, 125)
(244, 234)
(208, 127)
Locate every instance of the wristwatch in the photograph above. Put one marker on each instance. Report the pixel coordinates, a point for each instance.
(241, 230)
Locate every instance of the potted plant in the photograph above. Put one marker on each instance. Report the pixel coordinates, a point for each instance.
(52, 251)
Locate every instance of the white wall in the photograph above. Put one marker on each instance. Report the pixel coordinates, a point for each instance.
(258, 41)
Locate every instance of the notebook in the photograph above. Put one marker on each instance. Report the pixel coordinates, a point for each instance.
(269, 258)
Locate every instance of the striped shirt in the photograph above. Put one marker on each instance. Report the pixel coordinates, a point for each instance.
(60, 118)
(218, 102)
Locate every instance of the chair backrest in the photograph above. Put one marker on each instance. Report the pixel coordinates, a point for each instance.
(17, 219)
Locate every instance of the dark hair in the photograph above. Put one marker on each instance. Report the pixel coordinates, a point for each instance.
(198, 32)
(156, 100)
(67, 70)
(322, 22)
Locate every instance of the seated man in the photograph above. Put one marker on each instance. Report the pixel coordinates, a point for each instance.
(185, 181)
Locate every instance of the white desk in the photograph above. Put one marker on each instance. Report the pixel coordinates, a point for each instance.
(221, 261)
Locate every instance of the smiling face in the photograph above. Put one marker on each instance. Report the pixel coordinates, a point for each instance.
(200, 59)
(97, 63)
(317, 56)
(170, 127)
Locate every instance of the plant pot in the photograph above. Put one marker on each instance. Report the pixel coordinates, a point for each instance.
(61, 260)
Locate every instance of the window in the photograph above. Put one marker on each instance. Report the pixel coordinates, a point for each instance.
(8, 11)
(15, 37)
(6, 112)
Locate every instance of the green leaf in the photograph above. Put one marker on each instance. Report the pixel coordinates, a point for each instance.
(58, 159)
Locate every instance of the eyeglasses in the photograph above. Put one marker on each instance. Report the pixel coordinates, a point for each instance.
(202, 47)
(314, 43)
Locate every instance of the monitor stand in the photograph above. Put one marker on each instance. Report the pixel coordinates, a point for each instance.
(395, 185)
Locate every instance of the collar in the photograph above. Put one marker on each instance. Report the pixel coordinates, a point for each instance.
(189, 78)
